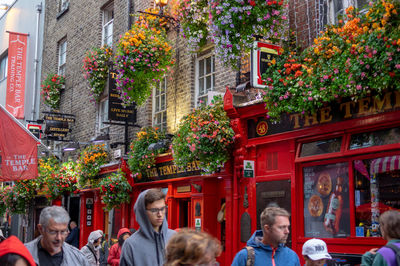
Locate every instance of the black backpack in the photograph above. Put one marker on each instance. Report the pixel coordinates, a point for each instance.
(396, 251)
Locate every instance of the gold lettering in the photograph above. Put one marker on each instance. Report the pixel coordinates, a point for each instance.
(347, 109)
(189, 167)
(384, 104)
(363, 106)
(397, 100)
(326, 115)
(296, 118)
(313, 118)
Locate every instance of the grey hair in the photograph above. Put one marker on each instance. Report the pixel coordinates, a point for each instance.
(57, 213)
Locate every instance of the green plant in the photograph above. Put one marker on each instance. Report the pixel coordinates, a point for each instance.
(115, 190)
(140, 157)
(205, 135)
(350, 59)
(143, 57)
(61, 181)
(89, 162)
(51, 90)
(234, 24)
(19, 196)
(95, 67)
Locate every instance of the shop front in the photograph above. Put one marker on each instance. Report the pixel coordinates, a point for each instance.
(336, 171)
(193, 200)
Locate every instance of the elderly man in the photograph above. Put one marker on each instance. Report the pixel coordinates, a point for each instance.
(50, 247)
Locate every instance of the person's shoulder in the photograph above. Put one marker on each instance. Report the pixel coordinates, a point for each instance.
(290, 252)
(32, 244)
(240, 257)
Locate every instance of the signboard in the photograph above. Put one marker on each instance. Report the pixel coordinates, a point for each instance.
(57, 124)
(335, 112)
(262, 55)
(89, 211)
(15, 94)
(248, 168)
(167, 170)
(116, 111)
(35, 130)
(197, 224)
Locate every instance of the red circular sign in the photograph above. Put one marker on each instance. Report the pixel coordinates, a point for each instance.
(262, 128)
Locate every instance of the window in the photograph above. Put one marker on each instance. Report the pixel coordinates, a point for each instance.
(160, 105)
(103, 113)
(62, 57)
(321, 147)
(108, 19)
(337, 8)
(3, 67)
(326, 200)
(63, 5)
(375, 138)
(205, 81)
(377, 189)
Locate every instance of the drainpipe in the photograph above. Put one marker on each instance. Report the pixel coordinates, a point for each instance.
(130, 7)
(36, 62)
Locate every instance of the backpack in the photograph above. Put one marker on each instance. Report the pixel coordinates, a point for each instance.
(251, 256)
(396, 251)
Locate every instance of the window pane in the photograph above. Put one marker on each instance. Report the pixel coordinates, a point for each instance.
(157, 104)
(201, 68)
(162, 97)
(208, 80)
(201, 87)
(326, 201)
(213, 81)
(376, 138)
(3, 67)
(208, 65)
(321, 147)
(377, 189)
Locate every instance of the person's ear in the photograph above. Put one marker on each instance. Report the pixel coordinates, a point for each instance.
(40, 228)
(266, 228)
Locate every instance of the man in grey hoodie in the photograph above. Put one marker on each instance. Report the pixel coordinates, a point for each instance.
(146, 247)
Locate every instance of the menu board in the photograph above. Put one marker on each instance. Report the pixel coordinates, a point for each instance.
(326, 200)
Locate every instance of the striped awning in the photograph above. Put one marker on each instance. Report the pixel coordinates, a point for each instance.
(385, 164)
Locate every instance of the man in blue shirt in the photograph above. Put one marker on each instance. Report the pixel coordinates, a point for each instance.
(268, 244)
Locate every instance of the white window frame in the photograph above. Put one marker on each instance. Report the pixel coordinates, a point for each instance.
(159, 113)
(3, 67)
(108, 25)
(333, 16)
(62, 57)
(103, 113)
(63, 5)
(204, 76)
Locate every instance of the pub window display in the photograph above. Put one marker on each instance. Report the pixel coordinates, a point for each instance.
(326, 201)
(377, 186)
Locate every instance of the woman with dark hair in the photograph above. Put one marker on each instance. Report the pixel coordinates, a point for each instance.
(115, 250)
(14, 253)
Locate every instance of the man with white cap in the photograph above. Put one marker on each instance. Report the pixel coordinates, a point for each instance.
(315, 252)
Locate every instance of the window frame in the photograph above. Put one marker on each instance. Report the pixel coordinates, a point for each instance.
(4, 69)
(62, 57)
(107, 40)
(63, 5)
(332, 16)
(102, 114)
(205, 75)
(155, 112)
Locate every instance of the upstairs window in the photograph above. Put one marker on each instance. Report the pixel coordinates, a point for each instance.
(205, 80)
(62, 57)
(63, 5)
(160, 105)
(108, 20)
(337, 8)
(103, 113)
(3, 66)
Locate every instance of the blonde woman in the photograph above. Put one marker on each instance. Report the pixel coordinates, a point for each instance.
(189, 247)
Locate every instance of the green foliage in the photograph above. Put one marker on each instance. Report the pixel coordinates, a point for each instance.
(19, 196)
(89, 163)
(140, 157)
(51, 90)
(205, 135)
(115, 190)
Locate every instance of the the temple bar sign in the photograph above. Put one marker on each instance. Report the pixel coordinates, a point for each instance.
(262, 55)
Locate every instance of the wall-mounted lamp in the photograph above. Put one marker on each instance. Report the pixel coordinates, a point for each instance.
(172, 21)
(71, 146)
(4, 6)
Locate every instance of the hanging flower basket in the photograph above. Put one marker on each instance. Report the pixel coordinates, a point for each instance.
(350, 59)
(95, 68)
(234, 25)
(115, 190)
(89, 163)
(19, 196)
(140, 157)
(51, 90)
(143, 57)
(194, 20)
(62, 181)
(204, 135)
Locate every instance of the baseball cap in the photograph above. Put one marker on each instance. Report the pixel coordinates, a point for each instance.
(316, 249)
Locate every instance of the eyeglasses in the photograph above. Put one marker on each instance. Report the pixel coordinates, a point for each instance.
(53, 232)
(157, 210)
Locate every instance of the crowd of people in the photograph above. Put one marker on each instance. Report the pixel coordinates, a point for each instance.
(154, 244)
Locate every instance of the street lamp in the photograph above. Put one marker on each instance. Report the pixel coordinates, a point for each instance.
(172, 21)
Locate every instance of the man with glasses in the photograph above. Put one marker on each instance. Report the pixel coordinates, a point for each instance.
(50, 247)
(146, 247)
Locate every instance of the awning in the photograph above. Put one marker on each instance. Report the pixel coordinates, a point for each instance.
(385, 164)
(18, 149)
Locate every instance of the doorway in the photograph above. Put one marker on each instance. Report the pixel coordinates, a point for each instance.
(184, 212)
(272, 193)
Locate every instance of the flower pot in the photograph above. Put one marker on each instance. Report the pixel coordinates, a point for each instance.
(57, 202)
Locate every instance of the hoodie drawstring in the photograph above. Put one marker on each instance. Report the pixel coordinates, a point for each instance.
(273, 256)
